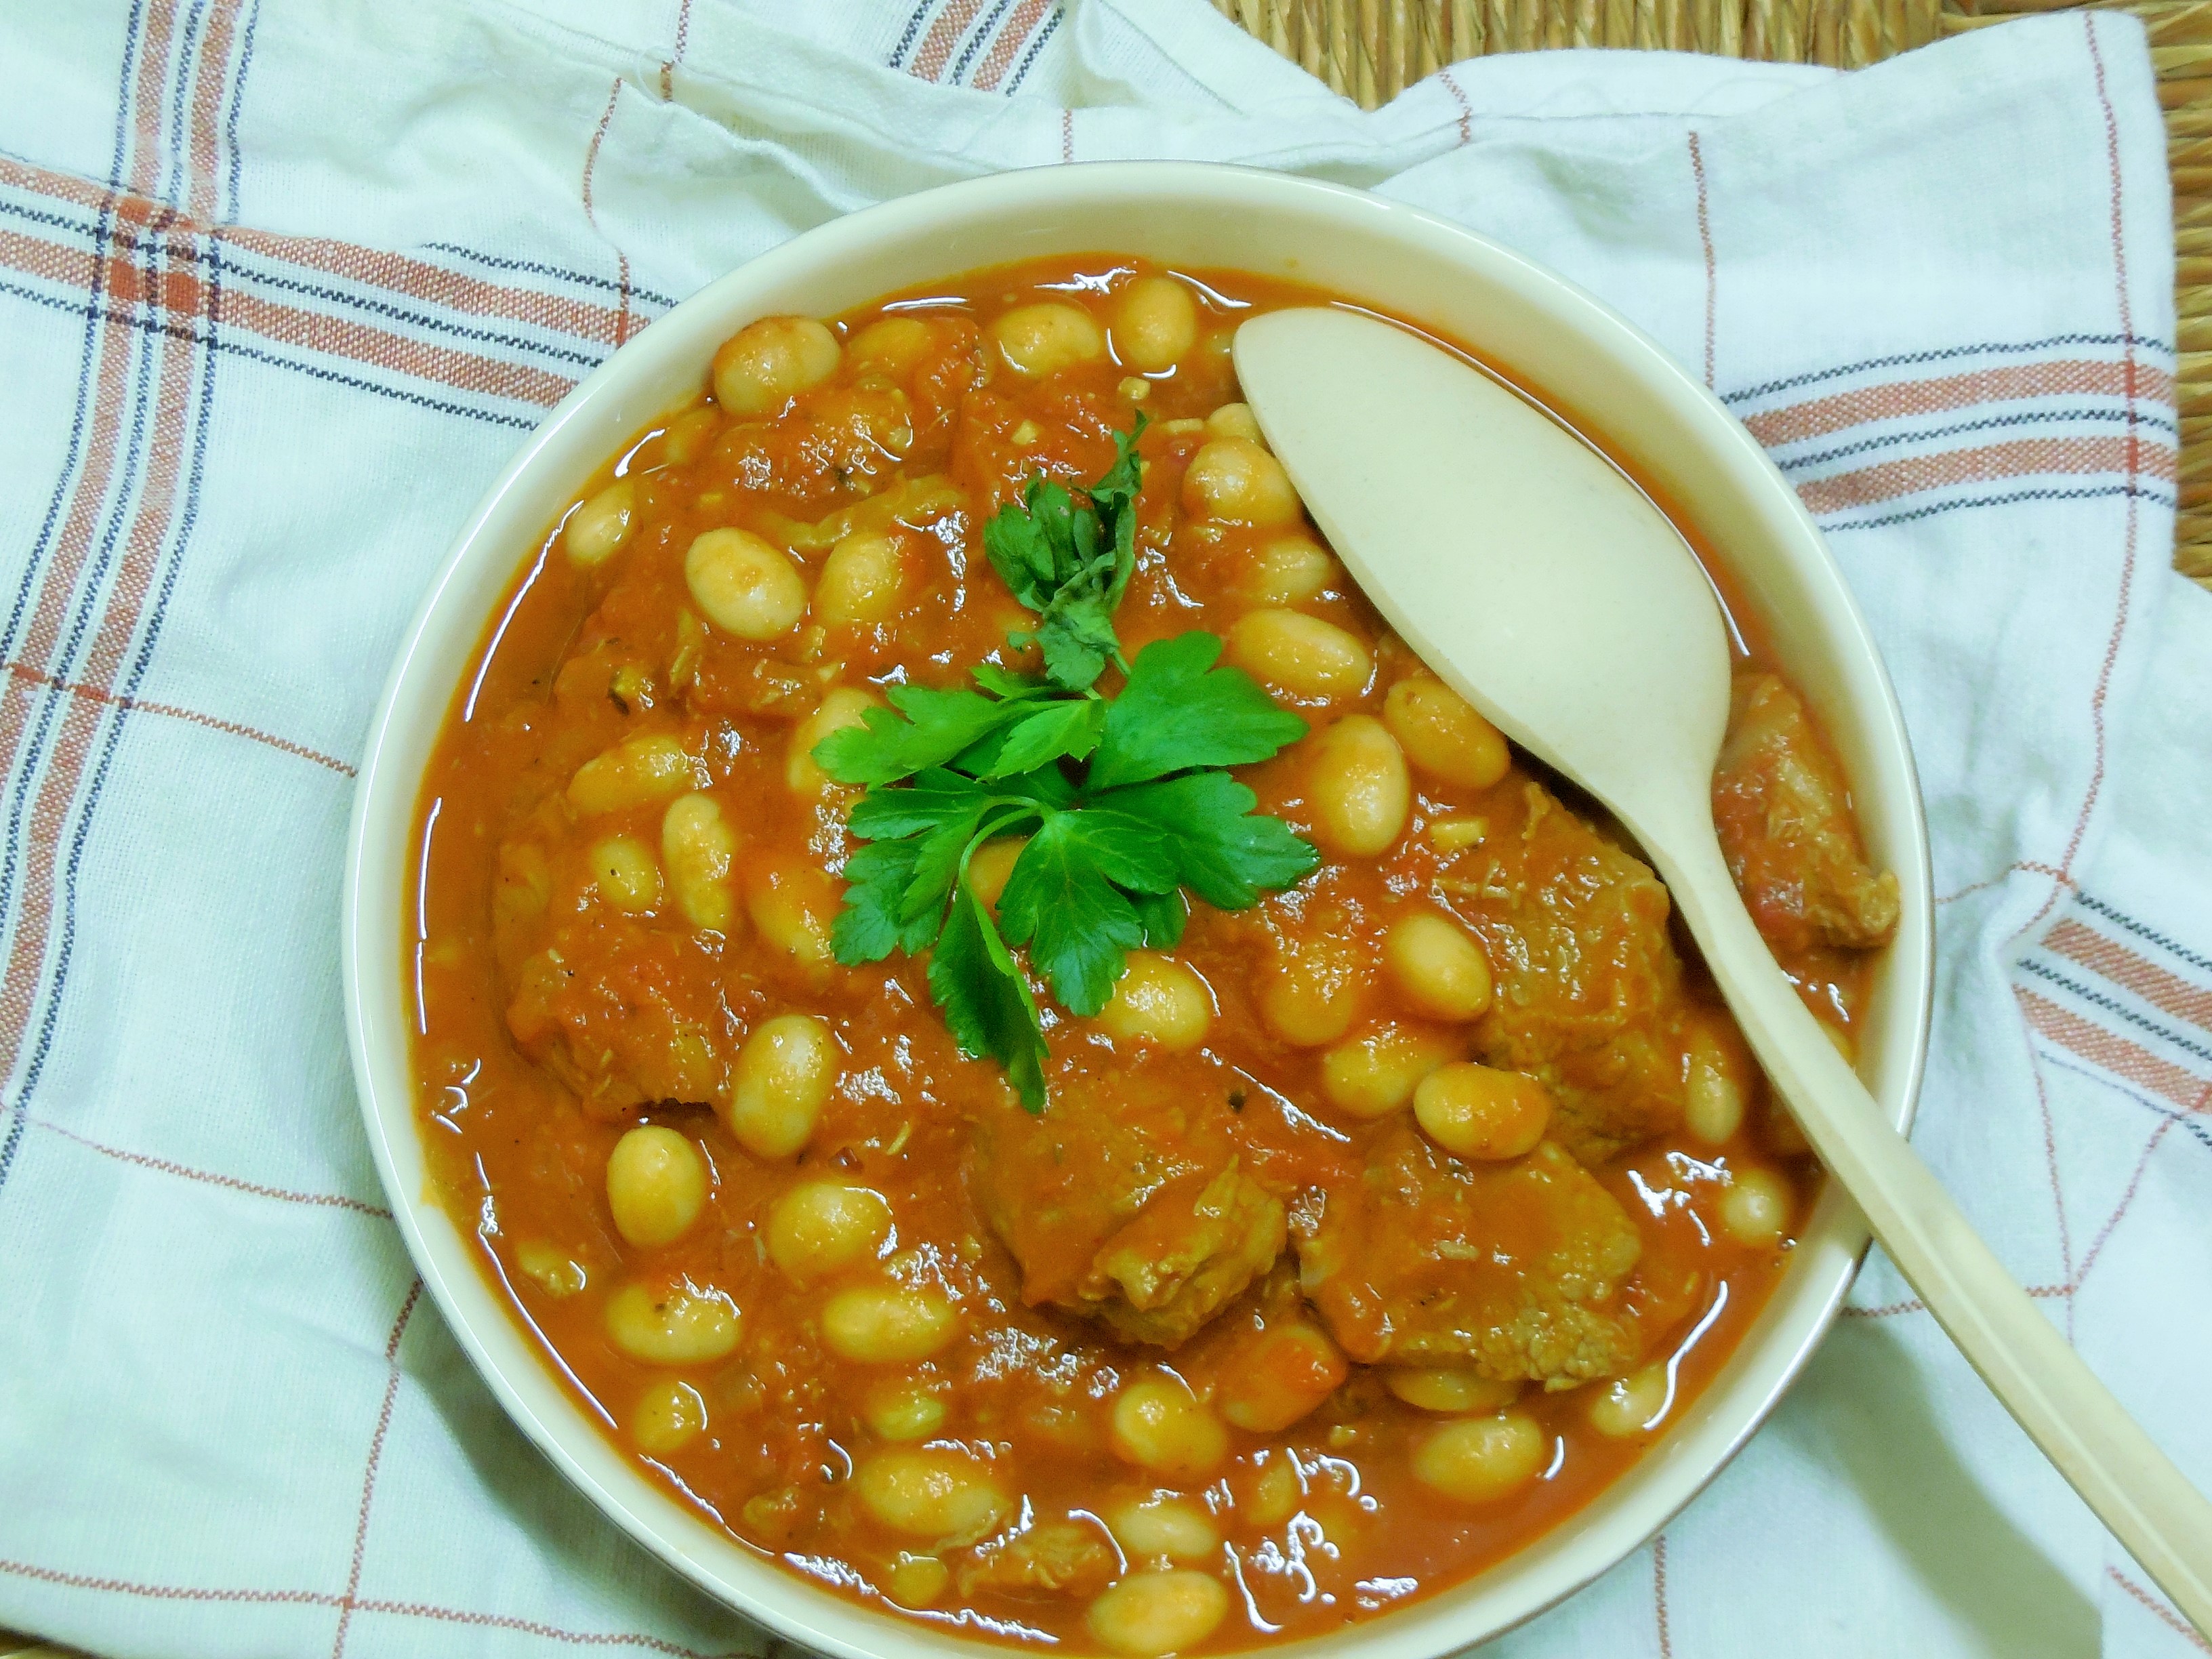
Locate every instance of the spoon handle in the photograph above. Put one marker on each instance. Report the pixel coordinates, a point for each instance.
(2120, 1473)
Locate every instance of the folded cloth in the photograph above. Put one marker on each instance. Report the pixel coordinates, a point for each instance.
(283, 285)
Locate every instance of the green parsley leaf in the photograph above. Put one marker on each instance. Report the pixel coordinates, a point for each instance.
(1128, 851)
(986, 1002)
(1179, 711)
(939, 856)
(1226, 854)
(1079, 926)
(870, 926)
(1163, 915)
(929, 728)
(1115, 492)
(1077, 637)
(1072, 564)
(1032, 546)
(942, 854)
(1115, 499)
(1065, 729)
(937, 796)
(1064, 900)
(1003, 682)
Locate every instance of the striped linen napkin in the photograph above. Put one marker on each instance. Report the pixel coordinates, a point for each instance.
(280, 287)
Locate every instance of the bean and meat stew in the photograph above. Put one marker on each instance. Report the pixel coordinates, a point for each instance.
(1027, 1059)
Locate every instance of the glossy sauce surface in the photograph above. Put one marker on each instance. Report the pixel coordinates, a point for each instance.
(844, 1297)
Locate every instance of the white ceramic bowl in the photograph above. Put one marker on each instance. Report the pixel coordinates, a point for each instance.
(1628, 395)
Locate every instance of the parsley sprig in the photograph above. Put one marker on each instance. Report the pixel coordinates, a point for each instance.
(1123, 799)
(1072, 564)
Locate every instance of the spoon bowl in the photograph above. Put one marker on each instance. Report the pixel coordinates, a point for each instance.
(1522, 528)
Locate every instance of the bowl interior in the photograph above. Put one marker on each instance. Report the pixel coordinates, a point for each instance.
(1624, 392)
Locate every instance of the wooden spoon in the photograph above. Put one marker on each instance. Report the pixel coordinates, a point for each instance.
(1547, 590)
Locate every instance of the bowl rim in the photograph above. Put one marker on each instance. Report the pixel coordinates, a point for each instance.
(853, 1630)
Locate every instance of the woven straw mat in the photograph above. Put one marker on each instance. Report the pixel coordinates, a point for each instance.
(1371, 49)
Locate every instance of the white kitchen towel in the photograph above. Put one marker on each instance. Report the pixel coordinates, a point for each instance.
(282, 284)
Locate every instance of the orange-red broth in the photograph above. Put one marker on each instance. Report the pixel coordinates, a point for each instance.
(1314, 1526)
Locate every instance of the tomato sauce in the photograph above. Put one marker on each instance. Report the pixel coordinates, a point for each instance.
(871, 1357)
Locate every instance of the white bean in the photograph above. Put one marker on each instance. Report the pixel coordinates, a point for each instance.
(597, 528)
(1174, 1528)
(1713, 1092)
(1151, 1614)
(1376, 1072)
(698, 846)
(1443, 735)
(678, 1325)
(636, 772)
(1277, 1380)
(1447, 1392)
(656, 1185)
(894, 342)
(1437, 966)
(1155, 324)
(1285, 570)
(744, 586)
(992, 867)
(623, 870)
(1480, 1112)
(552, 1269)
(1235, 421)
(688, 436)
(1632, 1405)
(1301, 655)
(1479, 1460)
(1357, 787)
(861, 582)
(1755, 1207)
(779, 1083)
(1235, 478)
(766, 363)
(936, 1493)
(1157, 1000)
(887, 1324)
(820, 1226)
(668, 1416)
(524, 884)
(905, 1412)
(1040, 340)
(791, 903)
(916, 1581)
(1272, 1493)
(1159, 1425)
(1311, 994)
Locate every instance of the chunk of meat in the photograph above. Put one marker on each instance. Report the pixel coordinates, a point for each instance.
(1783, 811)
(948, 371)
(997, 448)
(1517, 1269)
(841, 440)
(1588, 986)
(1127, 1203)
(1063, 1558)
(618, 1016)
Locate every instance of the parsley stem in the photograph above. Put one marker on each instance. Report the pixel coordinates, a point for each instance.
(997, 822)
